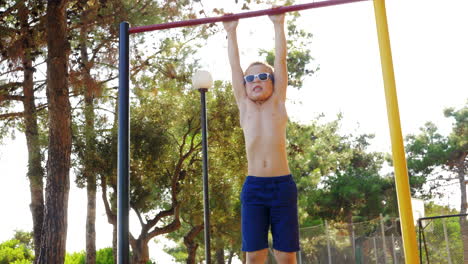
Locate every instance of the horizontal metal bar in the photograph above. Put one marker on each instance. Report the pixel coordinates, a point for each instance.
(441, 216)
(264, 12)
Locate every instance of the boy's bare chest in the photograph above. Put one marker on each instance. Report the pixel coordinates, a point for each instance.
(264, 119)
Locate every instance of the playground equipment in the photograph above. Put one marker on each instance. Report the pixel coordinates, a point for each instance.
(398, 153)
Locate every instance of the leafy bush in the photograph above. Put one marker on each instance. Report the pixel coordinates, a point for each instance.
(103, 256)
(15, 252)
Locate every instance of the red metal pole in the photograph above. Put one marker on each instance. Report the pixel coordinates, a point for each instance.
(271, 11)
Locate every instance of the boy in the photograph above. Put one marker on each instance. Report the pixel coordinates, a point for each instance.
(269, 194)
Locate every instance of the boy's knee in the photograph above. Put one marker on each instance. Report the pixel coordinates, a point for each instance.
(285, 257)
(258, 256)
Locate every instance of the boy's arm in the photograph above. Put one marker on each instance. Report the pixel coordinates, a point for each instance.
(280, 64)
(234, 60)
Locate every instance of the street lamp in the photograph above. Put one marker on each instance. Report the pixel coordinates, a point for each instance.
(202, 81)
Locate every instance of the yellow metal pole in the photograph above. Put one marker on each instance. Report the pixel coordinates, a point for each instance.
(399, 161)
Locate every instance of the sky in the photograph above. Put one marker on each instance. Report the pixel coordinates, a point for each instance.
(429, 43)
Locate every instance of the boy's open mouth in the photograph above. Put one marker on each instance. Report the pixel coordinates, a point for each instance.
(257, 89)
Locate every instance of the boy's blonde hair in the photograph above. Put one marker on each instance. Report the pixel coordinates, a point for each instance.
(268, 66)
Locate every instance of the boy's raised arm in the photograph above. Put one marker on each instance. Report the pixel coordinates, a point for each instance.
(280, 64)
(234, 60)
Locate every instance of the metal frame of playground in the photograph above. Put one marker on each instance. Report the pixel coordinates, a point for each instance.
(401, 174)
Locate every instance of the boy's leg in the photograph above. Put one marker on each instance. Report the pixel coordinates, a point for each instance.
(285, 224)
(285, 257)
(257, 257)
(255, 221)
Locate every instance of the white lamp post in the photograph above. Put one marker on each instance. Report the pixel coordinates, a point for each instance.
(202, 81)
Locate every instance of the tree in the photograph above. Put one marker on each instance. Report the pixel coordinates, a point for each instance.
(227, 169)
(162, 147)
(54, 230)
(357, 191)
(22, 42)
(315, 151)
(435, 159)
(33, 22)
(160, 160)
(95, 36)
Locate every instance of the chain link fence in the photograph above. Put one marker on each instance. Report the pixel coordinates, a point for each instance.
(440, 239)
(375, 241)
(379, 242)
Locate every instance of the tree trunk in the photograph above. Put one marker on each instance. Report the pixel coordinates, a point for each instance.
(111, 216)
(54, 231)
(114, 242)
(192, 246)
(220, 255)
(35, 173)
(90, 152)
(463, 206)
(231, 255)
(351, 236)
(192, 253)
(140, 252)
(91, 219)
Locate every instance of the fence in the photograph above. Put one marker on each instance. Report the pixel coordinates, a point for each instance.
(379, 241)
(440, 239)
(376, 241)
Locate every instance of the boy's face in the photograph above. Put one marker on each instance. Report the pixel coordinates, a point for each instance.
(258, 90)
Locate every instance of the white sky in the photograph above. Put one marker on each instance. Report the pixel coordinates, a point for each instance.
(430, 52)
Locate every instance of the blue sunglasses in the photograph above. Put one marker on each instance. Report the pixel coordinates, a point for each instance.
(261, 76)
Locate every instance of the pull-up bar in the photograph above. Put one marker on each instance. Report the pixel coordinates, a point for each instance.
(271, 11)
(401, 173)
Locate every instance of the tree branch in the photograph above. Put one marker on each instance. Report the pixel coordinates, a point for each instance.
(111, 217)
(12, 70)
(4, 98)
(161, 215)
(139, 217)
(173, 226)
(11, 116)
(10, 86)
(9, 29)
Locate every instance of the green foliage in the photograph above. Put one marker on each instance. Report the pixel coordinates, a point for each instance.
(178, 252)
(165, 131)
(356, 192)
(458, 138)
(425, 153)
(103, 256)
(433, 159)
(434, 235)
(75, 258)
(25, 238)
(335, 174)
(299, 59)
(15, 251)
(227, 169)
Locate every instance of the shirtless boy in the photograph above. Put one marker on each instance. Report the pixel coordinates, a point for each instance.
(269, 194)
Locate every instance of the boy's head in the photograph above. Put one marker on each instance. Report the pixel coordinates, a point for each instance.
(258, 78)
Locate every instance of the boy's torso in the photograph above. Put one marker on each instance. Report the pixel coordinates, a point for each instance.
(264, 127)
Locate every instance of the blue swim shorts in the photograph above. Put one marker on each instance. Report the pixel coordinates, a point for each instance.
(269, 202)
